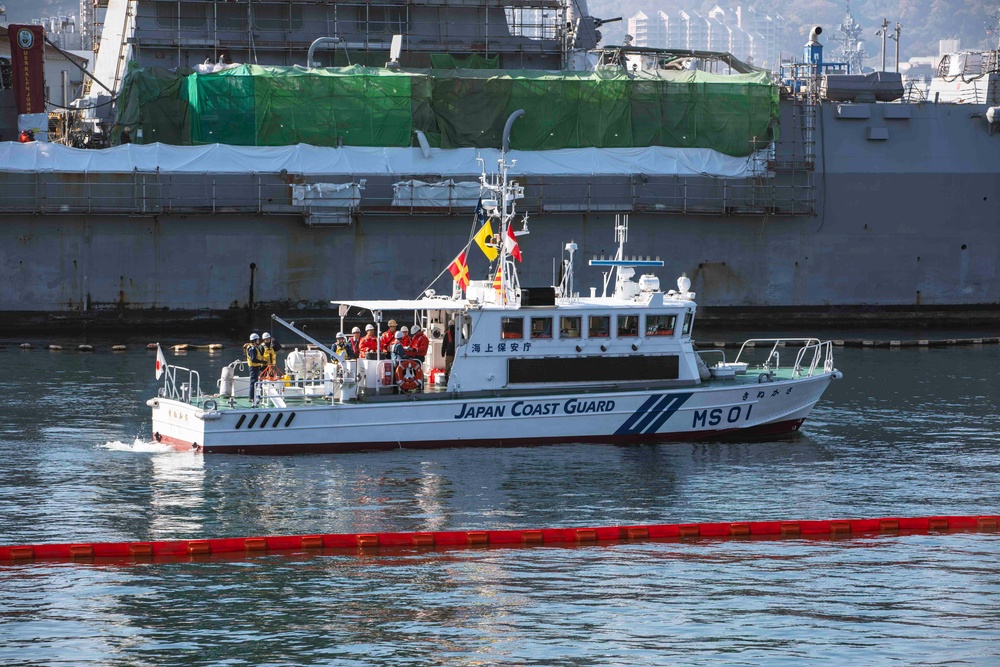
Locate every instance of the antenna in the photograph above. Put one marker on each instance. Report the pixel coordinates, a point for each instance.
(624, 268)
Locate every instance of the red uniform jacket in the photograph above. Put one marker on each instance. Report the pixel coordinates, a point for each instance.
(368, 344)
(418, 345)
(387, 341)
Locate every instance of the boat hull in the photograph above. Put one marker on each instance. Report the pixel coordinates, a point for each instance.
(726, 410)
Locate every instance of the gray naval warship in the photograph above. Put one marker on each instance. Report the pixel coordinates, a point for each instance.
(286, 150)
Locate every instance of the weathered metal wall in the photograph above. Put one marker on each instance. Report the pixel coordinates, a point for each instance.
(905, 220)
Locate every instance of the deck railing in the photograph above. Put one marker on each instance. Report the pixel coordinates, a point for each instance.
(175, 388)
(811, 354)
(158, 193)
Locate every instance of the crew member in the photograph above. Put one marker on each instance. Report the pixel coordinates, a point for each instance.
(354, 343)
(126, 137)
(343, 347)
(255, 360)
(398, 354)
(398, 349)
(269, 349)
(406, 335)
(368, 347)
(448, 346)
(388, 339)
(418, 344)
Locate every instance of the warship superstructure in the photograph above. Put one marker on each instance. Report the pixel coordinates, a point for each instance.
(850, 200)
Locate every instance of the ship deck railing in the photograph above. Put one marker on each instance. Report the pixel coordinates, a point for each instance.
(181, 384)
(783, 190)
(759, 360)
(811, 354)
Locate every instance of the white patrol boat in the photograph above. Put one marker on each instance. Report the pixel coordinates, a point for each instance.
(530, 366)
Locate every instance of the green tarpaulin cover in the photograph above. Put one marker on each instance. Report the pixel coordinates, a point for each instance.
(251, 105)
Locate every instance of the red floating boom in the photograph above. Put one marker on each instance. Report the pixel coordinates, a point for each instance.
(502, 538)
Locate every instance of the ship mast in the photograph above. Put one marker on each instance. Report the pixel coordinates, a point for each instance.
(852, 48)
(501, 205)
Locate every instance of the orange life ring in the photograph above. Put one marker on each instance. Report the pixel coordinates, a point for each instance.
(409, 375)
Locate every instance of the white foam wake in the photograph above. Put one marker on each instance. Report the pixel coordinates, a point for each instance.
(137, 445)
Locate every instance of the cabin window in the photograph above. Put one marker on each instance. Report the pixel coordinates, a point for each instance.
(628, 326)
(541, 327)
(688, 321)
(600, 326)
(466, 329)
(660, 325)
(569, 327)
(512, 327)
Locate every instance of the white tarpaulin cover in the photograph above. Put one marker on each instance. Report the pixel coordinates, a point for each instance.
(327, 195)
(443, 194)
(356, 160)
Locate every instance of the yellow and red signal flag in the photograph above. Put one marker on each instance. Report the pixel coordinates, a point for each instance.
(459, 270)
(498, 280)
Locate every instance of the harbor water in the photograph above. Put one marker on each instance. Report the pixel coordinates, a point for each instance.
(907, 432)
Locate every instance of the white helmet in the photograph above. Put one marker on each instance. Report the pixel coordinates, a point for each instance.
(266, 335)
(254, 336)
(399, 335)
(404, 328)
(355, 330)
(415, 328)
(340, 334)
(369, 327)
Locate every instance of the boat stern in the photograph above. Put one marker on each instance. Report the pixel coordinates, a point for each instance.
(180, 425)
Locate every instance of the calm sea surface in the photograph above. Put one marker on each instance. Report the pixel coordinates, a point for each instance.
(908, 432)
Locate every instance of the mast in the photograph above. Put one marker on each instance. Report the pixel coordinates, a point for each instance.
(503, 206)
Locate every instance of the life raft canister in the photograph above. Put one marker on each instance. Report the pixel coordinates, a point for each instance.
(385, 373)
(409, 375)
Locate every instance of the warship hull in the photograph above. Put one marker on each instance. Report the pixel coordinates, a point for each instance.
(904, 226)
(863, 212)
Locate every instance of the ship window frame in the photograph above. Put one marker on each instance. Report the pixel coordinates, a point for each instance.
(660, 329)
(621, 329)
(511, 331)
(590, 326)
(566, 331)
(545, 332)
(688, 323)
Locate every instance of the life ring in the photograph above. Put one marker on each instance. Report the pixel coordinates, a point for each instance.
(764, 378)
(409, 375)
(270, 374)
(210, 404)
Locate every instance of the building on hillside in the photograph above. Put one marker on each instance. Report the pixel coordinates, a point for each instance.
(62, 31)
(649, 32)
(748, 34)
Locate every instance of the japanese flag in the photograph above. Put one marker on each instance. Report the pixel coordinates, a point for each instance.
(161, 362)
